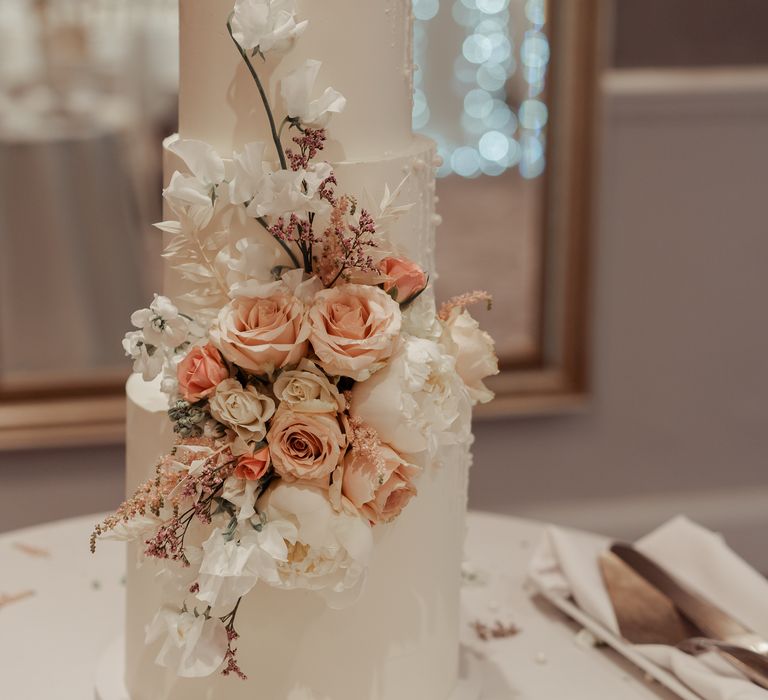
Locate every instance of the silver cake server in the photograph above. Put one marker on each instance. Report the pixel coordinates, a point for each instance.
(710, 619)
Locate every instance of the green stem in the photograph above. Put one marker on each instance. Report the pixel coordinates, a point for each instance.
(283, 244)
(264, 99)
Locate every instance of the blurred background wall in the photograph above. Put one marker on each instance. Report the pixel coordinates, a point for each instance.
(677, 419)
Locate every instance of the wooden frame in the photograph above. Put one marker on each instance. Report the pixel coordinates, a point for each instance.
(557, 378)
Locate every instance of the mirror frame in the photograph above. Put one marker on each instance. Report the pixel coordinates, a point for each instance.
(556, 379)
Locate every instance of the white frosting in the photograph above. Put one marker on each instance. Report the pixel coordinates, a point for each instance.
(365, 49)
(399, 641)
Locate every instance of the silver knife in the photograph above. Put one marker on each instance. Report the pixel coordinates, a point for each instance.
(710, 619)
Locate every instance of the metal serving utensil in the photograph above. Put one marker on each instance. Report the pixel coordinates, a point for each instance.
(647, 616)
(710, 619)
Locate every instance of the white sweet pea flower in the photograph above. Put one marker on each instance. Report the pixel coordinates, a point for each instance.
(193, 196)
(250, 261)
(417, 402)
(233, 565)
(287, 192)
(251, 173)
(193, 646)
(265, 24)
(241, 493)
(297, 88)
(329, 551)
(138, 528)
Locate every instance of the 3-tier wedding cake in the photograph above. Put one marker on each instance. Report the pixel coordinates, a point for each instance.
(299, 424)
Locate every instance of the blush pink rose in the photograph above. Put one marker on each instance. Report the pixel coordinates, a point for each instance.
(405, 279)
(354, 329)
(261, 335)
(379, 489)
(255, 466)
(200, 372)
(306, 446)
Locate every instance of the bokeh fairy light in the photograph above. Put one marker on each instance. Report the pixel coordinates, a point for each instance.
(495, 134)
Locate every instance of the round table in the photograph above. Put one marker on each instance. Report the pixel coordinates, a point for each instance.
(60, 607)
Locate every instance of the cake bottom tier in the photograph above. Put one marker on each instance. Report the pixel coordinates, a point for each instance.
(399, 641)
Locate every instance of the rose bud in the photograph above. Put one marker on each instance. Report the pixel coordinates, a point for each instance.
(255, 466)
(405, 279)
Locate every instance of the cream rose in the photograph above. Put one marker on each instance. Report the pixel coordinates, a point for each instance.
(306, 389)
(379, 489)
(305, 446)
(244, 409)
(354, 329)
(262, 334)
(474, 351)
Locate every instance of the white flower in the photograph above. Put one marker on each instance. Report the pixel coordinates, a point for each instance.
(193, 196)
(306, 389)
(193, 646)
(244, 409)
(265, 24)
(140, 527)
(251, 262)
(232, 566)
(329, 551)
(241, 493)
(296, 89)
(288, 191)
(162, 324)
(474, 351)
(163, 334)
(147, 360)
(250, 176)
(417, 402)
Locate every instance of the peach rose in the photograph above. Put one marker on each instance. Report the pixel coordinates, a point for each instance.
(262, 334)
(305, 445)
(255, 466)
(354, 328)
(200, 372)
(474, 351)
(379, 489)
(405, 279)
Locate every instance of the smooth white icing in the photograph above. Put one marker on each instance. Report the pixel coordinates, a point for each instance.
(365, 49)
(399, 641)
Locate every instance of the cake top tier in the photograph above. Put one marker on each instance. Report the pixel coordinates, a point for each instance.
(366, 54)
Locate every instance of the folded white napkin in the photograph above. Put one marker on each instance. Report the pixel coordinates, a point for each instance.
(565, 562)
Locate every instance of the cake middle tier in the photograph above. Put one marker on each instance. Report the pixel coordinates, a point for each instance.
(366, 54)
(411, 234)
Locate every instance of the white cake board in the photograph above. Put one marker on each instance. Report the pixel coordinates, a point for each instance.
(111, 671)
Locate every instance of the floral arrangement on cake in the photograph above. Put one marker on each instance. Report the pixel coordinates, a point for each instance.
(310, 382)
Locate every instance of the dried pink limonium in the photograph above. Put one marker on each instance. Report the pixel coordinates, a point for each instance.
(310, 143)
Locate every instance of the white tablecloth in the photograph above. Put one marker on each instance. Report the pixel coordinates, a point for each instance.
(60, 608)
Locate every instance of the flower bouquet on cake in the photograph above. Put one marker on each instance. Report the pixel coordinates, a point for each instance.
(310, 378)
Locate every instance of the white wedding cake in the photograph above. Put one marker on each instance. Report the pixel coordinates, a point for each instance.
(298, 514)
